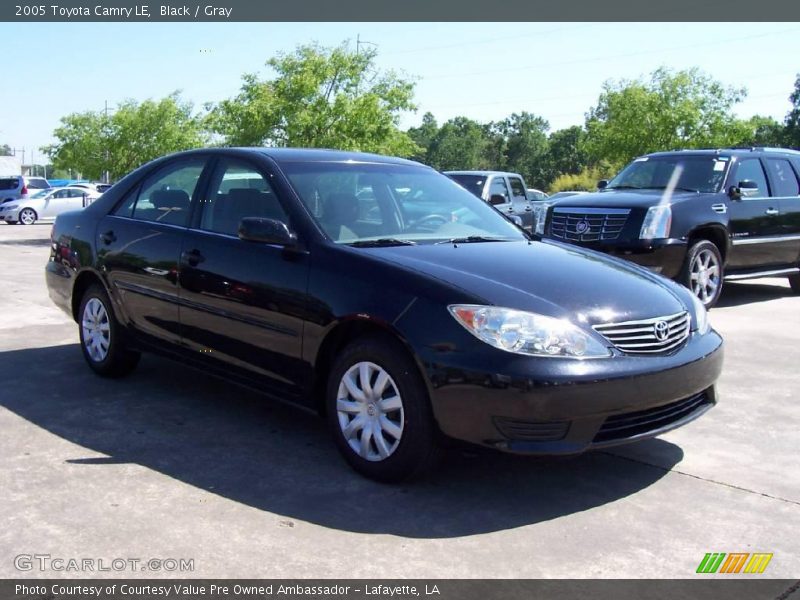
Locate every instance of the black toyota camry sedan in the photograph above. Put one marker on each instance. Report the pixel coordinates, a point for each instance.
(382, 294)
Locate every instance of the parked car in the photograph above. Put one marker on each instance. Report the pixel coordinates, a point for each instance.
(45, 205)
(266, 268)
(97, 187)
(535, 195)
(697, 216)
(14, 187)
(505, 191)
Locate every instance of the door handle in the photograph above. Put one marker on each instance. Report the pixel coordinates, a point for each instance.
(771, 211)
(192, 257)
(108, 237)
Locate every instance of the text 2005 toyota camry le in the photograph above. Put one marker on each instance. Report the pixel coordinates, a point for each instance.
(385, 295)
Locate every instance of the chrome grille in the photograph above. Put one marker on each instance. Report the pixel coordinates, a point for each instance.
(649, 336)
(588, 224)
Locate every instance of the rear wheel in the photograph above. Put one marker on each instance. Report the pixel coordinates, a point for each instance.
(379, 411)
(102, 338)
(702, 272)
(27, 216)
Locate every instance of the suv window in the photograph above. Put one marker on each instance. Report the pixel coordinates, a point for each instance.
(702, 173)
(783, 176)
(472, 183)
(8, 183)
(164, 196)
(38, 183)
(750, 169)
(237, 191)
(517, 187)
(498, 186)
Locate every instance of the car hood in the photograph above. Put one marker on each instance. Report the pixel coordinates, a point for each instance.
(551, 278)
(623, 199)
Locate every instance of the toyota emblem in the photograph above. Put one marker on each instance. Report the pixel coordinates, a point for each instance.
(581, 226)
(661, 330)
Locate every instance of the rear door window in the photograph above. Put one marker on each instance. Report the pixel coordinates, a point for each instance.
(783, 177)
(750, 169)
(8, 183)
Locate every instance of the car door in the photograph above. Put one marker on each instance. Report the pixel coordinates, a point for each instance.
(139, 244)
(786, 189)
(242, 301)
(520, 203)
(499, 186)
(754, 220)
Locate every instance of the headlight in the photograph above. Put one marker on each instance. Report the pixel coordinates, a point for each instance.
(656, 223)
(539, 217)
(700, 316)
(527, 333)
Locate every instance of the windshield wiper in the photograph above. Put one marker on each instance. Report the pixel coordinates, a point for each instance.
(381, 242)
(472, 239)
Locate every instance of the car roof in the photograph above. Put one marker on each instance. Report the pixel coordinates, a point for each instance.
(725, 151)
(286, 155)
(480, 173)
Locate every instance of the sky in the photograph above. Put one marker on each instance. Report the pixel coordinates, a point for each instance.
(484, 71)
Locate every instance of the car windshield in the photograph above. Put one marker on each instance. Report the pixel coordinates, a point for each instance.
(40, 194)
(699, 173)
(388, 204)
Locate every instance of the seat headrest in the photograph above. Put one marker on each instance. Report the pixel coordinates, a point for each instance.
(341, 208)
(170, 199)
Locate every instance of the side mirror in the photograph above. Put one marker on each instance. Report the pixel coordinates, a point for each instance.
(496, 199)
(746, 188)
(517, 220)
(602, 184)
(266, 231)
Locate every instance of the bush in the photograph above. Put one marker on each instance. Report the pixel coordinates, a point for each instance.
(585, 181)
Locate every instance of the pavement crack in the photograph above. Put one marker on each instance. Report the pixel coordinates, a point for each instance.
(789, 592)
(707, 480)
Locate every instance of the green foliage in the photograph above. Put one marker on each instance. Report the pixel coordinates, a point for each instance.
(685, 109)
(5, 150)
(585, 180)
(760, 131)
(567, 152)
(460, 143)
(526, 147)
(137, 132)
(792, 123)
(319, 97)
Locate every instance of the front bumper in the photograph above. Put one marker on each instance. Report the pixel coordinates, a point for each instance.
(562, 406)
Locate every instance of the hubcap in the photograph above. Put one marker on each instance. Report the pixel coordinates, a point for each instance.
(370, 411)
(96, 330)
(705, 275)
(26, 216)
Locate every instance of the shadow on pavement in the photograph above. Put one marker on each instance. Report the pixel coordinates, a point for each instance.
(38, 242)
(234, 443)
(739, 293)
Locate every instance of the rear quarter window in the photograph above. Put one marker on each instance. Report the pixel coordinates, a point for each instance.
(8, 183)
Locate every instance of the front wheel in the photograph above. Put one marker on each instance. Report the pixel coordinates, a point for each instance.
(27, 216)
(379, 411)
(102, 338)
(702, 272)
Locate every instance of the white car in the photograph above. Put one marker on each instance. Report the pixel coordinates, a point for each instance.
(46, 205)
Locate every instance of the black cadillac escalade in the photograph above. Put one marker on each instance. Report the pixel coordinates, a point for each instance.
(697, 216)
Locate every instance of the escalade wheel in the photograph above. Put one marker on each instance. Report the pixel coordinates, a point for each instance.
(379, 412)
(702, 272)
(102, 338)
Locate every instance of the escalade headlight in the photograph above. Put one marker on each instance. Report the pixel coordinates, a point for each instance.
(539, 217)
(527, 333)
(656, 223)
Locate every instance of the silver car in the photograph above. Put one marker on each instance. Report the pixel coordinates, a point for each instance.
(14, 187)
(46, 205)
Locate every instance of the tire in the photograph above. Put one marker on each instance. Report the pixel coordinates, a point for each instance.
(794, 282)
(27, 216)
(97, 324)
(402, 436)
(703, 272)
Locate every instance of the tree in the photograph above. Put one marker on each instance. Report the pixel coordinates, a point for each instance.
(319, 97)
(761, 131)
(526, 146)
(792, 123)
(93, 143)
(5, 150)
(423, 135)
(685, 109)
(567, 153)
(460, 143)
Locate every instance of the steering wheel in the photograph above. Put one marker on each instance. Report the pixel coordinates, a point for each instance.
(431, 222)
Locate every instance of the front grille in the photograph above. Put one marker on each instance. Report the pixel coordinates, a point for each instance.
(532, 431)
(627, 425)
(649, 336)
(588, 224)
